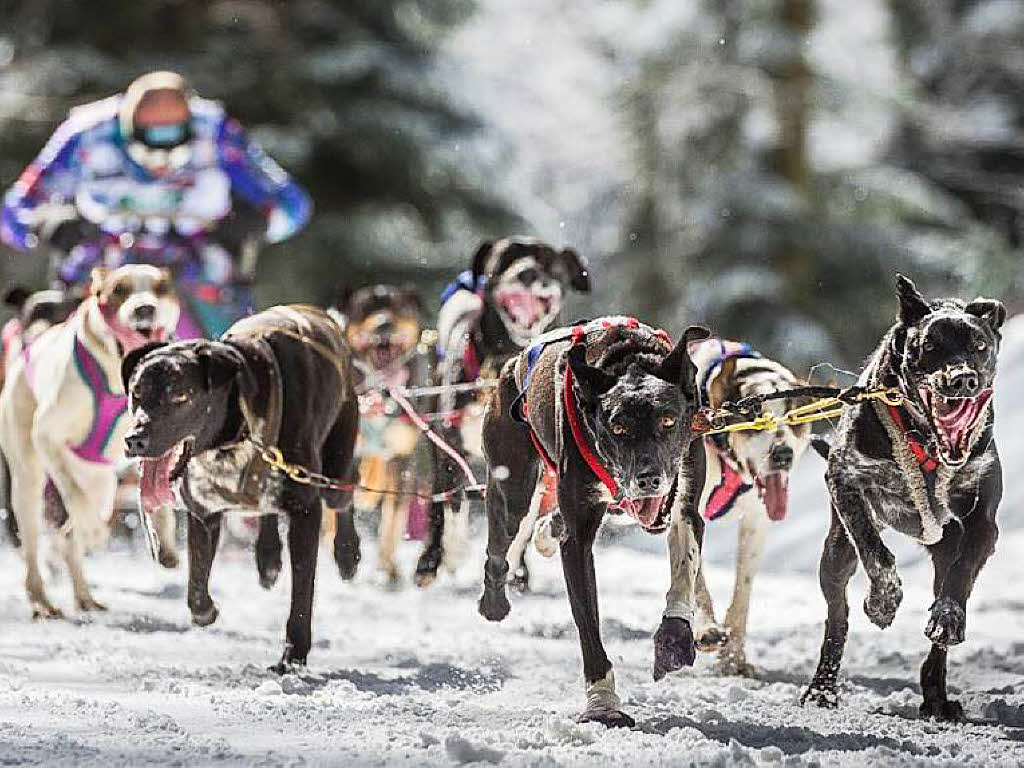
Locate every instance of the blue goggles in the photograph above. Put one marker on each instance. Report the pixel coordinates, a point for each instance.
(163, 136)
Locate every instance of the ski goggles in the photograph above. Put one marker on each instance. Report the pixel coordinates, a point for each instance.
(164, 136)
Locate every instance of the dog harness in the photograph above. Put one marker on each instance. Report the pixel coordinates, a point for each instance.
(576, 334)
(709, 355)
(108, 406)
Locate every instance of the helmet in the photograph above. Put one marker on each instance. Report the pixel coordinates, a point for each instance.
(161, 147)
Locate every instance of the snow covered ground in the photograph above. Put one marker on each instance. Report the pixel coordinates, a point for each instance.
(418, 678)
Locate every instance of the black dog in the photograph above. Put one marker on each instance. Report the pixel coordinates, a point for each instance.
(608, 408)
(283, 377)
(511, 294)
(927, 468)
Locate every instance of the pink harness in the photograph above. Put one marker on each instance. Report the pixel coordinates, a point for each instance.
(730, 487)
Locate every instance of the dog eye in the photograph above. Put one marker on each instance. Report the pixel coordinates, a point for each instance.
(928, 346)
(618, 430)
(121, 290)
(160, 288)
(181, 397)
(668, 422)
(980, 345)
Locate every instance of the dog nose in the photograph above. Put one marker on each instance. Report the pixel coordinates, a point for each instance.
(964, 383)
(781, 457)
(648, 482)
(145, 312)
(136, 442)
(528, 277)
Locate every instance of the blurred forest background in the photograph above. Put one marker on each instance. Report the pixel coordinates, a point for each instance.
(761, 165)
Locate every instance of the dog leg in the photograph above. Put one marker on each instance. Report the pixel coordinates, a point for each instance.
(346, 543)
(838, 564)
(674, 646)
(394, 518)
(445, 479)
(165, 521)
(732, 659)
(203, 536)
(885, 592)
(338, 454)
(603, 703)
(303, 546)
(27, 501)
(957, 559)
(268, 551)
(519, 579)
(511, 484)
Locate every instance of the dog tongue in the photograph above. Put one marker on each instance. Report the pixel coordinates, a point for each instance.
(524, 307)
(155, 482)
(645, 511)
(775, 490)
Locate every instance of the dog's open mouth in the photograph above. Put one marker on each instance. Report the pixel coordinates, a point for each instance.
(649, 511)
(157, 475)
(953, 420)
(527, 312)
(773, 488)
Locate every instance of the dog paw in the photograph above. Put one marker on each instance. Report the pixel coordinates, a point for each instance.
(947, 623)
(426, 568)
(673, 647)
(520, 580)
(43, 609)
(347, 558)
(884, 598)
(493, 606)
(821, 696)
(711, 638)
(947, 710)
(731, 663)
(287, 666)
(609, 718)
(86, 604)
(168, 558)
(268, 576)
(205, 617)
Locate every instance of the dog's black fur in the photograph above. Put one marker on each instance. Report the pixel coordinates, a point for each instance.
(942, 356)
(636, 398)
(493, 344)
(193, 391)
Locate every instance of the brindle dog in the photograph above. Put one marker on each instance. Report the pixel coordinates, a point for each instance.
(927, 468)
(608, 407)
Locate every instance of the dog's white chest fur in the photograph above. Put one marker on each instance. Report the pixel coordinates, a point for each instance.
(216, 478)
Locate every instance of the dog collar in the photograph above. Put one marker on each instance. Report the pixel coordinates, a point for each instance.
(925, 461)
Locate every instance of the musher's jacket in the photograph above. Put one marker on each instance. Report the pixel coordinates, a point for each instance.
(86, 164)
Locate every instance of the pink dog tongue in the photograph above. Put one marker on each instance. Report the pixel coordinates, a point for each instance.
(776, 494)
(155, 482)
(523, 306)
(644, 511)
(955, 423)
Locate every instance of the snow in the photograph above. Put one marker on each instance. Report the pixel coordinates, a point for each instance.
(416, 677)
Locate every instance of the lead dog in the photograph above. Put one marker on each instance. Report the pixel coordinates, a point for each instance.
(512, 293)
(927, 468)
(62, 425)
(747, 478)
(282, 377)
(607, 407)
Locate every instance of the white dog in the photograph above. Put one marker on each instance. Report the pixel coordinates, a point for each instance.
(746, 479)
(62, 421)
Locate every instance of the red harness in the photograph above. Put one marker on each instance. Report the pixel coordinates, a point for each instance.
(591, 458)
(924, 460)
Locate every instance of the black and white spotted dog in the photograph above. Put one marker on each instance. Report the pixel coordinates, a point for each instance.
(927, 468)
(511, 294)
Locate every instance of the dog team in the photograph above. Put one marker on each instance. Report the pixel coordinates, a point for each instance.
(292, 413)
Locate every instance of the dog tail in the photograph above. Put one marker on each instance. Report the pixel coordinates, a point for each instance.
(822, 446)
(10, 522)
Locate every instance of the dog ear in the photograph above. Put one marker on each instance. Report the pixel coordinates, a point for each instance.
(220, 363)
(133, 358)
(479, 265)
(576, 270)
(678, 368)
(718, 388)
(17, 296)
(991, 311)
(593, 382)
(913, 306)
(412, 297)
(96, 278)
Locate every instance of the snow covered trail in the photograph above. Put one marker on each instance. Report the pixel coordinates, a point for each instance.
(417, 678)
